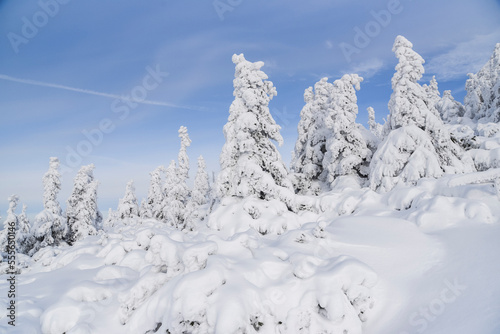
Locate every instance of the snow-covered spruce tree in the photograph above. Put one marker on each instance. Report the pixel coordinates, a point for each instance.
(82, 214)
(405, 156)
(376, 129)
(408, 104)
(200, 196)
(452, 112)
(153, 208)
(111, 219)
(409, 107)
(250, 163)
(201, 190)
(128, 206)
(449, 109)
(181, 190)
(143, 209)
(432, 93)
(174, 206)
(347, 152)
(50, 227)
(24, 238)
(482, 101)
(182, 157)
(10, 225)
(307, 159)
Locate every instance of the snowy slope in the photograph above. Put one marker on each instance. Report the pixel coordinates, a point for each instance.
(420, 259)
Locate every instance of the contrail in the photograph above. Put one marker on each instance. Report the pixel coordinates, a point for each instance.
(92, 92)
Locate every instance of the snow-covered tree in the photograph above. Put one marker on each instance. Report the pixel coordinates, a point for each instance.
(128, 206)
(432, 93)
(174, 205)
(404, 157)
(449, 109)
(200, 196)
(24, 238)
(482, 101)
(182, 189)
(409, 106)
(10, 225)
(250, 163)
(182, 157)
(82, 214)
(153, 208)
(347, 152)
(175, 188)
(201, 189)
(143, 209)
(50, 227)
(307, 159)
(111, 219)
(376, 129)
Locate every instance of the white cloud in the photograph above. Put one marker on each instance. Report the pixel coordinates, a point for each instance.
(465, 57)
(368, 68)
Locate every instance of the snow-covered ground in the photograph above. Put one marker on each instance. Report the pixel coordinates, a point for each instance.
(421, 259)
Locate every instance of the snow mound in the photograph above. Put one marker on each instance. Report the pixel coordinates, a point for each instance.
(236, 215)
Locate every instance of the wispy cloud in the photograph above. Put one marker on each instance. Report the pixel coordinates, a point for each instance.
(464, 58)
(92, 92)
(368, 68)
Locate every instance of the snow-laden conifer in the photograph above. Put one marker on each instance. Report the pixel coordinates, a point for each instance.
(174, 205)
(200, 196)
(111, 219)
(182, 189)
(182, 157)
(82, 214)
(50, 227)
(153, 207)
(201, 190)
(410, 106)
(24, 238)
(10, 225)
(376, 129)
(482, 101)
(404, 157)
(128, 206)
(250, 163)
(347, 152)
(307, 160)
(449, 109)
(432, 93)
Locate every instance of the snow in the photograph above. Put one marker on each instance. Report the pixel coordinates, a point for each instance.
(354, 265)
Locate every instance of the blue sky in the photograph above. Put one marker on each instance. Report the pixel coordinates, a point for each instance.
(108, 46)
